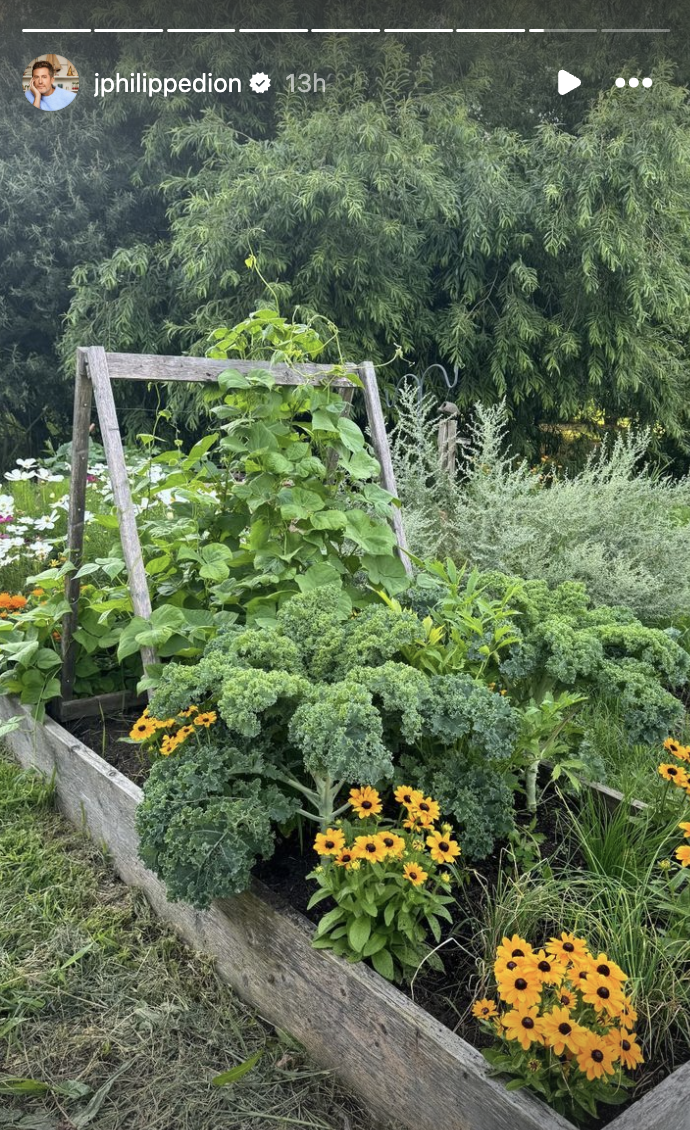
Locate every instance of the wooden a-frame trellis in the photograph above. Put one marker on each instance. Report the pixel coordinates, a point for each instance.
(96, 369)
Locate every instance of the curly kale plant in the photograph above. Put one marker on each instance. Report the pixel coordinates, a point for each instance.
(549, 649)
(323, 701)
(569, 645)
(205, 820)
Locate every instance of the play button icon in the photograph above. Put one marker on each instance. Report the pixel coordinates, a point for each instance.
(567, 82)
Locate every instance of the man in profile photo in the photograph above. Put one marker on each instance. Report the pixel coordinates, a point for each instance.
(43, 92)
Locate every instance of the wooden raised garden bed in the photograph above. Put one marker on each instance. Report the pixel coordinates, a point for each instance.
(408, 1068)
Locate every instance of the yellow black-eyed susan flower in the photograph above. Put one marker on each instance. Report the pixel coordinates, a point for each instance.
(561, 1032)
(523, 1024)
(484, 1009)
(142, 729)
(206, 719)
(426, 811)
(513, 948)
(683, 855)
(330, 842)
(441, 848)
(393, 843)
(567, 948)
(370, 848)
(407, 796)
(625, 1047)
(365, 801)
(676, 774)
(414, 874)
(188, 712)
(595, 1058)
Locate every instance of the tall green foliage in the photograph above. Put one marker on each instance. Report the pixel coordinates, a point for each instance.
(619, 524)
(552, 269)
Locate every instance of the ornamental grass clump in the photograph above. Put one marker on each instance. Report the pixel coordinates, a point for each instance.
(563, 1021)
(390, 880)
(679, 775)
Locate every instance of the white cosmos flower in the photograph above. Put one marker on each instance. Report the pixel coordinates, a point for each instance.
(26, 462)
(16, 475)
(46, 522)
(40, 548)
(6, 504)
(44, 476)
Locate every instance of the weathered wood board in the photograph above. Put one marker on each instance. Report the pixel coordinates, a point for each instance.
(408, 1068)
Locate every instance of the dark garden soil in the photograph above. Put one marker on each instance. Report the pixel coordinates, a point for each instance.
(448, 996)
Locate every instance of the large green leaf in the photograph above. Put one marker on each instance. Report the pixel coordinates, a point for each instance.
(371, 537)
(328, 520)
(298, 502)
(358, 933)
(350, 434)
(232, 378)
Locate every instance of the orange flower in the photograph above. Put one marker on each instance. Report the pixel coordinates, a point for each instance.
(685, 828)
(682, 752)
(627, 1014)
(683, 855)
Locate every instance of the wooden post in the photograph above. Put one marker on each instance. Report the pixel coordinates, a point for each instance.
(112, 442)
(379, 440)
(448, 437)
(75, 526)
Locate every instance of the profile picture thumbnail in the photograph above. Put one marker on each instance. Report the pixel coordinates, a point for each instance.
(50, 82)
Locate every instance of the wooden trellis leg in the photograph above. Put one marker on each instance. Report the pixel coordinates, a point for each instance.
(379, 440)
(115, 455)
(75, 528)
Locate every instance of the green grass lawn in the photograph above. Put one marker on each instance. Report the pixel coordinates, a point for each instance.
(107, 1020)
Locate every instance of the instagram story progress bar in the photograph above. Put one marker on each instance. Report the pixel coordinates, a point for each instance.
(347, 30)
